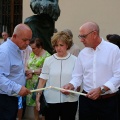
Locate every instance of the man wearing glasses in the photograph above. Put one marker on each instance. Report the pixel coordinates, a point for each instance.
(98, 68)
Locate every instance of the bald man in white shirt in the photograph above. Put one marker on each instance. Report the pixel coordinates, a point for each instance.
(98, 69)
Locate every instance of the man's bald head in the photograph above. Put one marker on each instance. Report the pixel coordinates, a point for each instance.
(21, 28)
(22, 35)
(90, 26)
(89, 35)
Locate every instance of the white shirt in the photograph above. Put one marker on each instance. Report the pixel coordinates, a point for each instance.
(98, 67)
(26, 54)
(58, 72)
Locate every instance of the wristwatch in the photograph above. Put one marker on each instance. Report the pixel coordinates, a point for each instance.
(38, 93)
(102, 90)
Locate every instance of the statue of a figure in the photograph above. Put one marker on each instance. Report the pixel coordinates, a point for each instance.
(49, 7)
(43, 24)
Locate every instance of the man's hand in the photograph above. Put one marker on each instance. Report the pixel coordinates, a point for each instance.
(94, 94)
(24, 91)
(69, 86)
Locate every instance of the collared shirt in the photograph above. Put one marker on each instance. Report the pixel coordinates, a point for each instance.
(95, 68)
(58, 72)
(26, 54)
(12, 76)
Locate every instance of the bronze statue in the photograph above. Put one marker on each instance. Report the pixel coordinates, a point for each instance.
(49, 7)
(43, 23)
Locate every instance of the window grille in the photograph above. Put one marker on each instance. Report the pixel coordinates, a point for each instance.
(10, 15)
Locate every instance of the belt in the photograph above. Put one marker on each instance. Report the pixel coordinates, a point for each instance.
(104, 96)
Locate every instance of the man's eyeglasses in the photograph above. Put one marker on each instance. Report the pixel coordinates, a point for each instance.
(84, 36)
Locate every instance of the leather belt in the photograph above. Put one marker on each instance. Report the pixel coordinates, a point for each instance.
(104, 96)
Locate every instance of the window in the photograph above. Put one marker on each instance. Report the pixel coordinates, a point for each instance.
(10, 15)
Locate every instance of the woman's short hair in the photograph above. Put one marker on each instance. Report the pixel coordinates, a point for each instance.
(61, 36)
(38, 42)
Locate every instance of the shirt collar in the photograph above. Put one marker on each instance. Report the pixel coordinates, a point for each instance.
(13, 45)
(101, 44)
(62, 58)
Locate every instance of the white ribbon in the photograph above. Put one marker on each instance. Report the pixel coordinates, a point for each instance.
(56, 88)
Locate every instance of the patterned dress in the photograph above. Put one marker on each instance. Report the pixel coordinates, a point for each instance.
(33, 64)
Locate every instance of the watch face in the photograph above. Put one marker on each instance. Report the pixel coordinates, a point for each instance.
(103, 90)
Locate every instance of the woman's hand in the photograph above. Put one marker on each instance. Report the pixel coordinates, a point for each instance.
(29, 76)
(28, 71)
(36, 71)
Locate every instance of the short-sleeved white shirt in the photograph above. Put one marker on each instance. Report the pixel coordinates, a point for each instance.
(58, 72)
